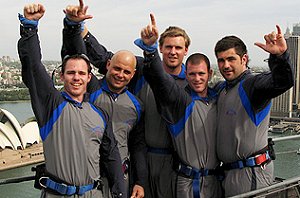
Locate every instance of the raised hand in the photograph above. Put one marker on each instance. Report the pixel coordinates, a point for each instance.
(149, 34)
(34, 11)
(275, 43)
(77, 13)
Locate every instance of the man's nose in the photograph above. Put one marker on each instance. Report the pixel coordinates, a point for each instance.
(173, 50)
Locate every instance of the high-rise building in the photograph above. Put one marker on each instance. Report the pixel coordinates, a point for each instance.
(296, 30)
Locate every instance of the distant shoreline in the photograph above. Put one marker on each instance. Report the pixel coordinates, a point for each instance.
(14, 101)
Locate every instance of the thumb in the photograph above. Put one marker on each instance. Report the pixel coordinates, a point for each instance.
(88, 17)
(260, 45)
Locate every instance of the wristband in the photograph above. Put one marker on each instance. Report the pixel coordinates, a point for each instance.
(28, 23)
(139, 42)
(69, 22)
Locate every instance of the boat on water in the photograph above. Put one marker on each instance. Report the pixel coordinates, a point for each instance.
(279, 128)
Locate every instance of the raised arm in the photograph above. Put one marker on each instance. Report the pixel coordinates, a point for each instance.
(73, 25)
(266, 86)
(34, 74)
(73, 33)
(169, 96)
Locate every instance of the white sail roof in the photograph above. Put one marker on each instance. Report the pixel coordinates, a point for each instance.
(13, 135)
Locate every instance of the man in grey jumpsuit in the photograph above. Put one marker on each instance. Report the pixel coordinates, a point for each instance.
(244, 110)
(74, 132)
(190, 114)
(174, 43)
(111, 94)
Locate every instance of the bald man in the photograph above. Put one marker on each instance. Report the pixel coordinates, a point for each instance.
(121, 69)
(125, 111)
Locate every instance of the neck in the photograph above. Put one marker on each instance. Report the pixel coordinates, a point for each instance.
(172, 70)
(203, 94)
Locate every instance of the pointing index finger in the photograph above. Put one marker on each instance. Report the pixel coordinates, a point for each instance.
(81, 4)
(278, 29)
(153, 22)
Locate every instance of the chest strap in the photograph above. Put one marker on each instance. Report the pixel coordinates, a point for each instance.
(257, 160)
(65, 189)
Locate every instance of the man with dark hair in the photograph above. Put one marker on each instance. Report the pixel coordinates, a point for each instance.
(111, 93)
(244, 110)
(174, 45)
(74, 132)
(190, 114)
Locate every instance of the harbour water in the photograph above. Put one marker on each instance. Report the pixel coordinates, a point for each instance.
(287, 163)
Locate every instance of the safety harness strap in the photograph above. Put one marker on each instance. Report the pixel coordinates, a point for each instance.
(258, 160)
(195, 174)
(64, 189)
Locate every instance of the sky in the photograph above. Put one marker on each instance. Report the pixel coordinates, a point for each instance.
(117, 23)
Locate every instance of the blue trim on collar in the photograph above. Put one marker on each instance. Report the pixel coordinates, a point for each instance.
(105, 88)
(69, 99)
(258, 117)
(95, 95)
(181, 75)
(211, 95)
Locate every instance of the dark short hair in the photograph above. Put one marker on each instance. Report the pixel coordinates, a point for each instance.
(174, 31)
(229, 42)
(196, 59)
(76, 56)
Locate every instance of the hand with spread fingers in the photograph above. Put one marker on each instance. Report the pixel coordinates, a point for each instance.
(34, 11)
(275, 43)
(149, 34)
(77, 13)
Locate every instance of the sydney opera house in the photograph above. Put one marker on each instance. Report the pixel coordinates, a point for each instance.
(13, 135)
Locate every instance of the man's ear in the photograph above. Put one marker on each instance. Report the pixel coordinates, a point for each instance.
(210, 74)
(245, 59)
(89, 77)
(108, 63)
(61, 75)
(186, 51)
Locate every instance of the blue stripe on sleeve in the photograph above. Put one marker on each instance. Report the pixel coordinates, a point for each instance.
(95, 95)
(100, 113)
(46, 129)
(136, 104)
(175, 129)
(256, 118)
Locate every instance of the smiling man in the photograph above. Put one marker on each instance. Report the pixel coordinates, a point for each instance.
(75, 133)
